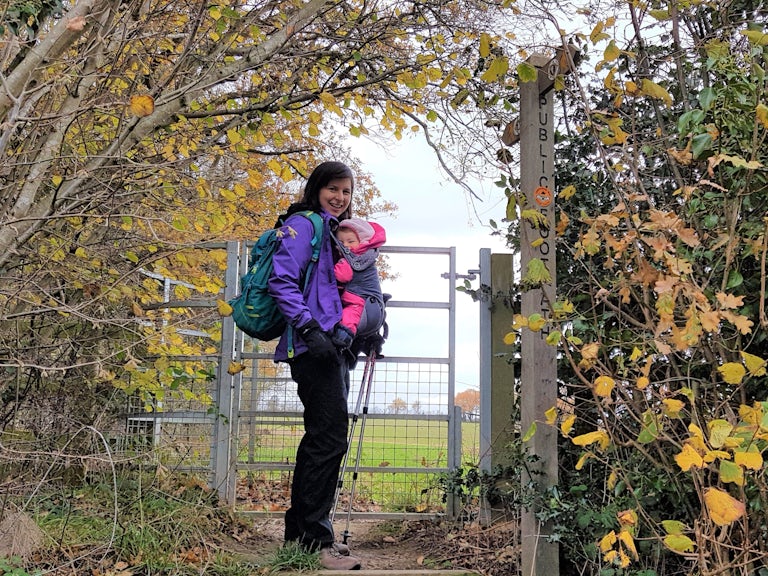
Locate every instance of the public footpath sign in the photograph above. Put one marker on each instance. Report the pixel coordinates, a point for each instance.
(538, 391)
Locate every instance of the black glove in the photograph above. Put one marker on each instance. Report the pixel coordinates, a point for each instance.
(371, 344)
(342, 336)
(319, 343)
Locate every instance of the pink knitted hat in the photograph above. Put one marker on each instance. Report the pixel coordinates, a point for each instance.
(360, 227)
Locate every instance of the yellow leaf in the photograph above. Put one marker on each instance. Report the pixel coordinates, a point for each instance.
(223, 308)
(536, 322)
(751, 415)
(583, 459)
(142, 105)
(597, 33)
(689, 458)
(567, 424)
(713, 455)
(611, 52)
(519, 321)
(679, 543)
(567, 192)
(642, 383)
(599, 436)
(551, 415)
(604, 386)
(750, 460)
(509, 338)
(732, 372)
(612, 479)
(723, 508)
(719, 430)
(629, 543)
(656, 91)
(607, 541)
(235, 367)
(672, 407)
(636, 353)
(627, 518)
(755, 364)
(762, 114)
(56, 179)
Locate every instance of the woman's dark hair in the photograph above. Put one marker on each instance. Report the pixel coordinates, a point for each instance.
(321, 175)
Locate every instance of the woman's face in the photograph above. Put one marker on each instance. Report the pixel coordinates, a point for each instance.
(335, 196)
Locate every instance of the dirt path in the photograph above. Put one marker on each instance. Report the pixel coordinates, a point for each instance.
(400, 545)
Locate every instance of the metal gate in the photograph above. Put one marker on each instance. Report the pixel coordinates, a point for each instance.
(412, 430)
(247, 439)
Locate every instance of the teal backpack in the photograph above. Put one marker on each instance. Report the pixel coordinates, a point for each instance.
(254, 311)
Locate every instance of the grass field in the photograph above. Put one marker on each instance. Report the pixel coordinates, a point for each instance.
(388, 445)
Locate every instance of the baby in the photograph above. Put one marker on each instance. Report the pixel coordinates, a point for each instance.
(362, 301)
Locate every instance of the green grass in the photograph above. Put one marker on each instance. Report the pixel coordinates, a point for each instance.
(387, 444)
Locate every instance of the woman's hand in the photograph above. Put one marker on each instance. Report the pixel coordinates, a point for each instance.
(319, 342)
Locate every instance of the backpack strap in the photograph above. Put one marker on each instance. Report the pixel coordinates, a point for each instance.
(317, 244)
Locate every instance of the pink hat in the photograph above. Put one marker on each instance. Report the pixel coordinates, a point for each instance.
(360, 227)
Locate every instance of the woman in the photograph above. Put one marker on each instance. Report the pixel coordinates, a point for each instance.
(319, 369)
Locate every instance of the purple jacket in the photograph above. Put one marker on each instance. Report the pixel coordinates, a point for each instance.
(321, 299)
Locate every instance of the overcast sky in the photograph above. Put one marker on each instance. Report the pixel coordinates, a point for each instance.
(432, 212)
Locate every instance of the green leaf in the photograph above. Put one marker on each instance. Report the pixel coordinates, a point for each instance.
(649, 433)
(537, 273)
(689, 120)
(700, 144)
(734, 279)
(756, 37)
(673, 526)
(496, 70)
(511, 212)
(530, 432)
(485, 45)
(660, 14)
(731, 472)
(527, 72)
(679, 543)
(707, 98)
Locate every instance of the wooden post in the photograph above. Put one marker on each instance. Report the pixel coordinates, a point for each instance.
(538, 376)
(497, 374)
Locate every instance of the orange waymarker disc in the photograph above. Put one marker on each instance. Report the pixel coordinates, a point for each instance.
(543, 196)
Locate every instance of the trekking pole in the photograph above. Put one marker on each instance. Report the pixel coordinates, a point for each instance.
(339, 485)
(372, 360)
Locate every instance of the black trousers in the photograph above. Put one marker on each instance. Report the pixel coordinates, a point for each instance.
(323, 389)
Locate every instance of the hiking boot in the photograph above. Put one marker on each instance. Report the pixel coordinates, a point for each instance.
(341, 548)
(330, 559)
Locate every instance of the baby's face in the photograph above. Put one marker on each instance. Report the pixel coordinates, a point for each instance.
(347, 237)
